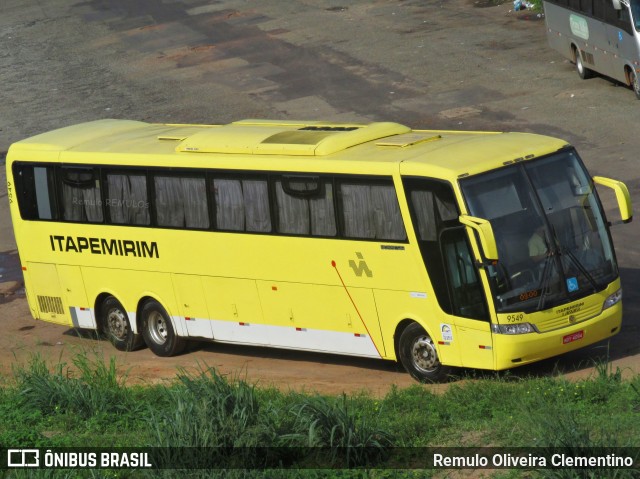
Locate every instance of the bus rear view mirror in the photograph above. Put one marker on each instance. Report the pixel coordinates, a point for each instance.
(622, 196)
(616, 4)
(485, 232)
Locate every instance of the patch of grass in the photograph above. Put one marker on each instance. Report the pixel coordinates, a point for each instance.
(257, 430)
(93, 389)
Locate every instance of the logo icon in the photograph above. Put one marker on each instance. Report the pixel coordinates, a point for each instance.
(447, 333)
(361, 267)
(23, 458)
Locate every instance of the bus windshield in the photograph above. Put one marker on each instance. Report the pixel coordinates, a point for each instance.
(553, 243)
(635, 12)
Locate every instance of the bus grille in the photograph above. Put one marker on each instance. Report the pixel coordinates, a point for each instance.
(563, 321)
(50, 304)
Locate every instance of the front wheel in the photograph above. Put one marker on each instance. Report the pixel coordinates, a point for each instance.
(419, 356)
(583, 72)
(635, 83)
(158, 331)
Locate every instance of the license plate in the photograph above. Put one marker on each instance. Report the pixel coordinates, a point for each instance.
(572, 337)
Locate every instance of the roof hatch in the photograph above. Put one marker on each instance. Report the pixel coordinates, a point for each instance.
(268, 137)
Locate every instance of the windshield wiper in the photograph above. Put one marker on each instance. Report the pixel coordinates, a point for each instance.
(544, 280)
(580, 266)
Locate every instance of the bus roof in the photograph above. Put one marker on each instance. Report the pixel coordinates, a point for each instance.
(286, 145)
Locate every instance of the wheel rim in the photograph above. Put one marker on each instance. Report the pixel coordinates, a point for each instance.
(579, 64)
(157, 328)
(636, 84)
(424, 355)
(117, 324)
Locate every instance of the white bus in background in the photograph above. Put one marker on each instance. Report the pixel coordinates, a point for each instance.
(600, 36)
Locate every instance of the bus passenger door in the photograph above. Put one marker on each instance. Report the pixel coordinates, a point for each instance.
(453, 274)
(621, 43)
(468, 301)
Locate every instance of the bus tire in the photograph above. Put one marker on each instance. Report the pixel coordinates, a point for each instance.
(583, 72)
(635, 83)
(158, 331)
(419, 356)
(116, 327)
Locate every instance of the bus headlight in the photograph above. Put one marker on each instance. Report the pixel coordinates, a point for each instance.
(519, 328)
(615, 298)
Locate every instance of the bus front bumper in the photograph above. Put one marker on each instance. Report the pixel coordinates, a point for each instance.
(520, 349)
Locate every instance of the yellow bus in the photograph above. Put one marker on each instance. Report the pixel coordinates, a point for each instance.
(437, 249)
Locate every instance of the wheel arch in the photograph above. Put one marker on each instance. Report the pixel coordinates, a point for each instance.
(628, 74)
(574, 51)
(100, 299)
(401, 326)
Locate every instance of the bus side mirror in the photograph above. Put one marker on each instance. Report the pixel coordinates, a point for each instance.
(622, 196)
(616, 4)
(485, 232)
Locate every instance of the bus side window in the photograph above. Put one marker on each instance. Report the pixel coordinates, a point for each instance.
(586, 6)
(242, 204)
(81, 196)
(305, 206)
(35, 192)
(181, 202)
(127, 201)
(371, 211)
(599, 10)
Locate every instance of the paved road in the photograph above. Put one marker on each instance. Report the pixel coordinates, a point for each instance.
(427, 63)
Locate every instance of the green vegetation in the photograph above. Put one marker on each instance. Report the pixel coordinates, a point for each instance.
(253, 431)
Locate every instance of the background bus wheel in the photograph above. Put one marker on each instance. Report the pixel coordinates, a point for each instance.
(583, 71)
(635, 83)
(117, 327)
(158, 331)
(419, 356)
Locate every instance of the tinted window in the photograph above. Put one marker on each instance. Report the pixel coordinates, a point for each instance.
(181, 202)
(34, 186)
(305, 206)
(371, 211)
(242, 204)
(126, 198)
(81, 198)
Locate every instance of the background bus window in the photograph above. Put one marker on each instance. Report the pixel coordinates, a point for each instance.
(242, 205)
(371, 211)
(586, 6)
(81, 197)
(305, 206)
(127, 199)
(181, 202)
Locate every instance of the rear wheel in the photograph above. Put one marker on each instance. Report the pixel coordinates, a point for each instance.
(419, 356)
(158, 331)
(117, 327)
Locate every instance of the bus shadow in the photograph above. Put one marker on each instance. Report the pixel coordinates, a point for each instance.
(263, 352)
(260, 352)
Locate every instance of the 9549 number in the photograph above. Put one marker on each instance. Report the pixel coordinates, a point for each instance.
(515, 318)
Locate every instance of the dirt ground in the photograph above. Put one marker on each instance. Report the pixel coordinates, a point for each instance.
(429, 64)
